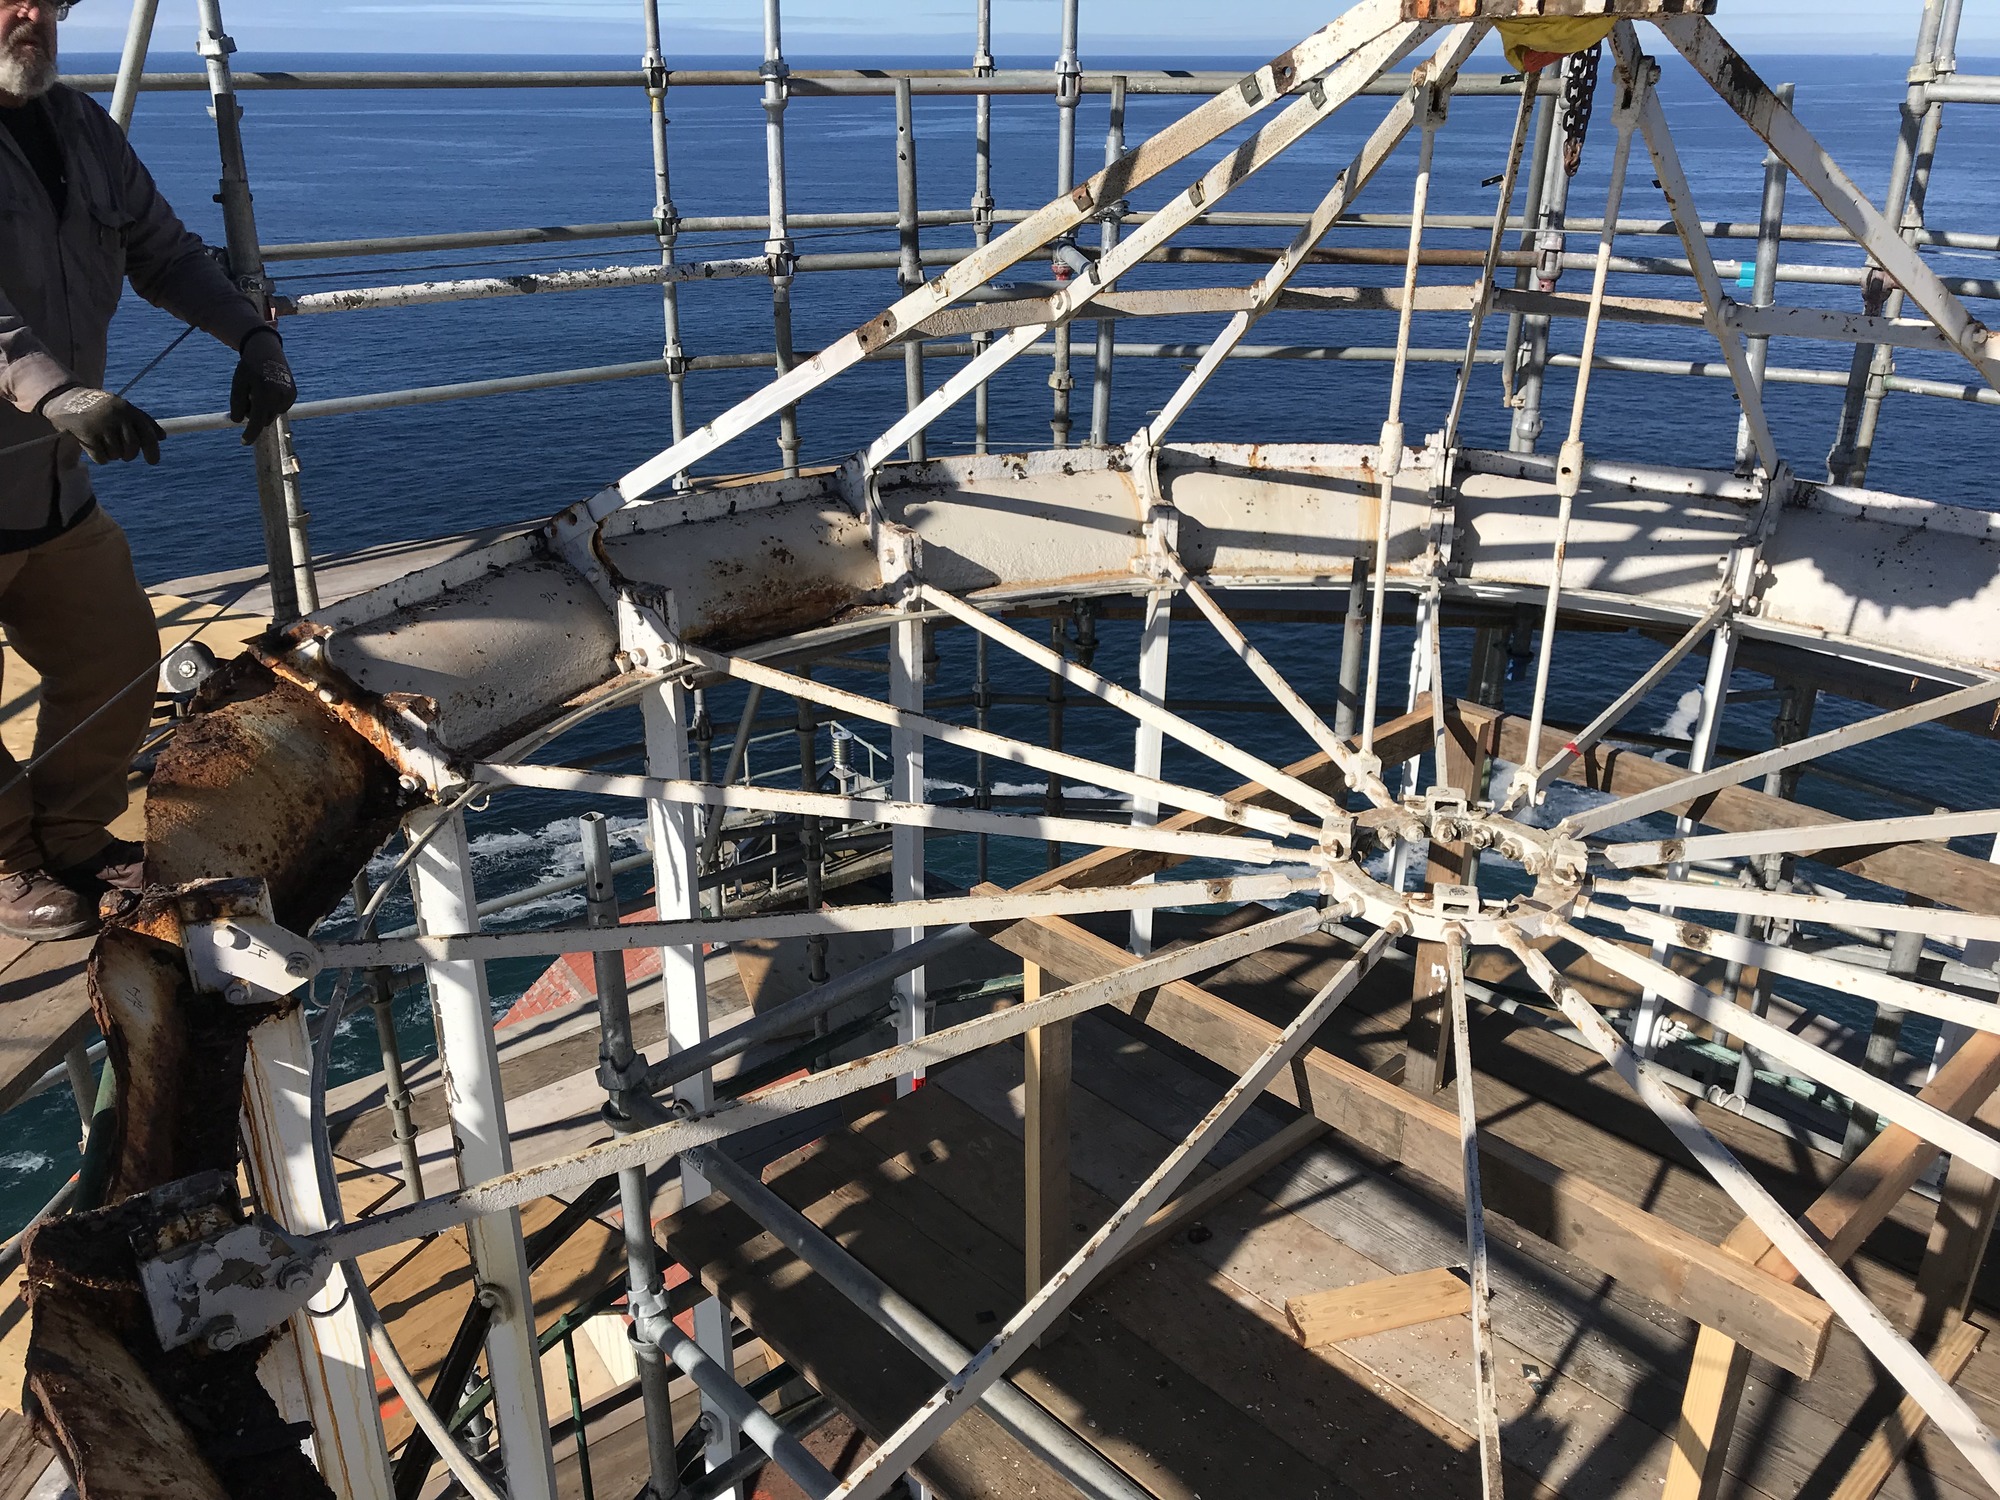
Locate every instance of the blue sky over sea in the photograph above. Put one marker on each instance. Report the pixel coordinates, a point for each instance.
(1126, 27)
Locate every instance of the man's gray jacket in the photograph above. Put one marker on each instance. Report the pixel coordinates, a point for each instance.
(60, 281)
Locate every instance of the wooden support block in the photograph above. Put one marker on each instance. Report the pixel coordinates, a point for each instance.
(1378, 1306)
(1220, 1186)
(1046, 1074)
(1889, 1442)
(1958, 1241)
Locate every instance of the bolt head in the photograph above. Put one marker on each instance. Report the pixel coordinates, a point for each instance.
(296, 1276)
(222, 1335)
(236, 992)
(299, 965)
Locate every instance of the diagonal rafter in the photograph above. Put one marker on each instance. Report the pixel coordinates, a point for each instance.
(1739, 86)
(1693, 788)
(1945, 1406)
(1803, 841)
(903, 1447)
(1105, 834)
(1362, 770)
(1355, 28)
(1872, 985)
(1267, 289)
(1680, 203)
(1200, 740)
(1367, 63)
(1798, 1053)
(1015, 752)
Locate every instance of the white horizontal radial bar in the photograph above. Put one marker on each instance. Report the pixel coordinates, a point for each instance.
(1792, 906)
(1356, 175)
(1806, 1058)
(1363, 772)
(1183, 138)
(1270, 141)
(1673, 793)
(1015, 752)
(1811, 968)
(944, 911)
(1943, 1405)
(568, 1175)
(963, 1391)
(1251, 767)
(1108, 834)
(1580, 743)
(1807, 840)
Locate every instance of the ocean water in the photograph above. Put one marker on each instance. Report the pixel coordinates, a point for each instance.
(331, 165)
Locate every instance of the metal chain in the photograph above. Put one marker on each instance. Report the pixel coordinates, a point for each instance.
(1579, 96)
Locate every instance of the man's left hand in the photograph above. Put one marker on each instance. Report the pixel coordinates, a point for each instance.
(263, 389)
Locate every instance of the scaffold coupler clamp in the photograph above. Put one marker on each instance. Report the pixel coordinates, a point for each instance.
(210, 1275)
(1336, 837)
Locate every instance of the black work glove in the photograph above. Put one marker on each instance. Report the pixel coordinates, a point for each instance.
(263, 389)
(108, 426)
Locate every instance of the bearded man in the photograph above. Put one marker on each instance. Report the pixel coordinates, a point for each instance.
(79, 215)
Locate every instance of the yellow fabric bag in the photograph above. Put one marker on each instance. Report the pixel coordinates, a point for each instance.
(1555, 36)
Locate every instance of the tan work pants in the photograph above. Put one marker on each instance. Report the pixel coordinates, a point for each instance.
(73, 609)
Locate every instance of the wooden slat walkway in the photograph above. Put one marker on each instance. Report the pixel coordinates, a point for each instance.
(1183, 1362)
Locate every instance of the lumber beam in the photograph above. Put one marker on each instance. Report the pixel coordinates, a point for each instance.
(1784, 1323)
(1388, 1302)
(1959, 1237)
(1843, 1217)
(1886, 1446)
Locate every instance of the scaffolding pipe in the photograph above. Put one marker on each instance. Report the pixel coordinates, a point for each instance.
(910, 268)
(622, 1072)
(778, 246)
(287, 550)
(914, 1329)
(1107, 241)
(666, 221)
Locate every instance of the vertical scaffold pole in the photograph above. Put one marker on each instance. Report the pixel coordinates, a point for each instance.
(779, 245)
(982, 223)
(1532, 355)
(1909, 173)
(1532, 203)
(1100, 389)
(1764, 284)
(910, 264)
(441, 881)
(286, 545)
(620, 1071)
(683, 983)
(906, 784)
(666, 222)
(982, 780)
(1069, 90)
(132, 61)
(1148, 740)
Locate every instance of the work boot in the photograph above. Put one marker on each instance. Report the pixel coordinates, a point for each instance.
(38, 908)
(119, 866)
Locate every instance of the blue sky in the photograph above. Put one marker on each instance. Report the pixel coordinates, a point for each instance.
(1182, 28)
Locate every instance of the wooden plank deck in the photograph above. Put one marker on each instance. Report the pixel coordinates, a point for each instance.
(930, 1194)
